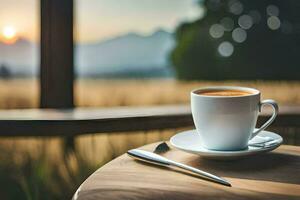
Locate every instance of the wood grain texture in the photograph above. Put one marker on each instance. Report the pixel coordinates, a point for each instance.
(56, 73)
(274, 175)
(70, 122)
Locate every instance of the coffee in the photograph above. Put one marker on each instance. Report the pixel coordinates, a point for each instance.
(225, 116)
(220, 92)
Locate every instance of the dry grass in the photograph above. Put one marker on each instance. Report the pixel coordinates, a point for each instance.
(24, 93)
(18, 93)
(154, 92)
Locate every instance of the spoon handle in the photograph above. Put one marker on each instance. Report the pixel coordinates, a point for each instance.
(201, 173)
(156, 159)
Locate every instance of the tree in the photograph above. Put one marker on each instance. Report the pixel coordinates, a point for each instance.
(243, 39)
(5, 72)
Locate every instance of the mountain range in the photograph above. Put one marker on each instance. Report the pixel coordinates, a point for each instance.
(22, 57)
(126, 55)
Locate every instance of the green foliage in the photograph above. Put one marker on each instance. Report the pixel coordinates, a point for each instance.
(41, 177)
(265, 54)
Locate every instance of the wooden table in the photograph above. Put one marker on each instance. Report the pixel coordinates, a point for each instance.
(274, 175)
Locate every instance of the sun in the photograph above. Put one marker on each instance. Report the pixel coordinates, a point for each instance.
(9, 35)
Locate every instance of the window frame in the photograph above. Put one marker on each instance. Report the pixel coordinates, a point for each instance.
(56, 55)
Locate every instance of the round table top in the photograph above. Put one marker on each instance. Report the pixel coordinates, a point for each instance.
(274, 175)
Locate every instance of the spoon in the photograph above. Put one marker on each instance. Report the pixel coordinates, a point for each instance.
(156, 159)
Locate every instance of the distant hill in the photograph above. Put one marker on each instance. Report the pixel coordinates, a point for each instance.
(21, 57)
(127, 53)
(123, 56)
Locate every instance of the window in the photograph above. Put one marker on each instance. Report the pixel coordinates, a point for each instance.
(19, 53)
(119, 44)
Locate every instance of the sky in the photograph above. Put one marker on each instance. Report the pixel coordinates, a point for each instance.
(23, 15)
(97, 20)
(105, 18)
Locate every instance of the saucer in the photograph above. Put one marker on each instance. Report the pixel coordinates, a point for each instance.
(189, 141)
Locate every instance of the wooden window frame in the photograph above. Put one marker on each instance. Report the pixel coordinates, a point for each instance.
(57, 60)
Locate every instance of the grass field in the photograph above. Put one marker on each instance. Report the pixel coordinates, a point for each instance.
(25, 93)
(49, 168)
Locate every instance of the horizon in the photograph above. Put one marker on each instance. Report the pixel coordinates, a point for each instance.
(95, 41)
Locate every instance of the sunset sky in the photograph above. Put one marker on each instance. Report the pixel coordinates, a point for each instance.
(99, 19)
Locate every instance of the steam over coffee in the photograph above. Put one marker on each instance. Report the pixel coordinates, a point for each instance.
(229, 93)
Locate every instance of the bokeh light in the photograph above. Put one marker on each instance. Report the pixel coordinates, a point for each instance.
(239, 35)
(235, 7)
(225, 49)
(245, 21)
(216, 31)
(273, 23)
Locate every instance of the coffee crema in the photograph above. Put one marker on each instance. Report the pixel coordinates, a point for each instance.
(223, 93)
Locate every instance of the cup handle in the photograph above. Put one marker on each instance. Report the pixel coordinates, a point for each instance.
(274, 105)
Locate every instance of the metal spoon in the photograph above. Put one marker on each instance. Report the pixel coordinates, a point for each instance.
(156, 159)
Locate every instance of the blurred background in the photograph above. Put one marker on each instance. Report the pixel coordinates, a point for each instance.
(138, 53)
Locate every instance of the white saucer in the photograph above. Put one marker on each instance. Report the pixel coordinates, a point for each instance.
(190, 142)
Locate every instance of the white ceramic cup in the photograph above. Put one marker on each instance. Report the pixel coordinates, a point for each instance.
(227, 123)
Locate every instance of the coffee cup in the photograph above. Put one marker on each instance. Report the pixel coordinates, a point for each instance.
(225, 116)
